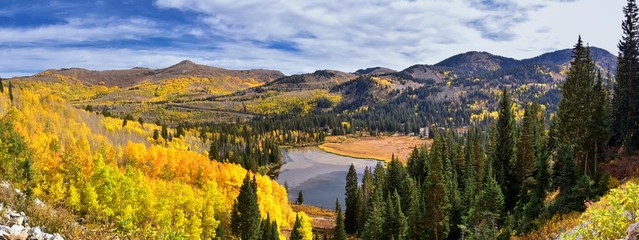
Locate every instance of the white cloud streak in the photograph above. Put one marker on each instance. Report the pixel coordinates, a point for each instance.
(343, 35)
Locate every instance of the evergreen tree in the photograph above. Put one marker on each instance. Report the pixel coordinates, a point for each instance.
(295, 232)
(265, 228)
(350, 218)
(486, 209)
(626, 89)
(1, 86)
(300, 197)
(395, 226)
(11, 92)
(575, 110)
(437, 200)
(600, 123)
(395, 175)
(365, 196)
(165, 132)
(376, 218)
(504, 152)
(339, 233)
(245, 215)
(275, 235)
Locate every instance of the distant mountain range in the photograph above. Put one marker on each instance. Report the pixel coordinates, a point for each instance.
(469, 78)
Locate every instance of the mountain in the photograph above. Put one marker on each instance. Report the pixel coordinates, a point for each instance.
(134, 76)
(316, 80)
(604, 59)
(455, 90)
(374, 71)
(474, 62)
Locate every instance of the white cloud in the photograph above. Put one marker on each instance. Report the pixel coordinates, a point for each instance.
(80, 30)
(332, 34)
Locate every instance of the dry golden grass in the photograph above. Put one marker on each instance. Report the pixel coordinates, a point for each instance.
(552, 228)
(321, 218)
(380, 148)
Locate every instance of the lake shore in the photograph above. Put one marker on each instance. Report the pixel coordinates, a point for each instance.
(378, 148)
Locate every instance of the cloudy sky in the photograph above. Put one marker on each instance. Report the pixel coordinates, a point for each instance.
(292, 36)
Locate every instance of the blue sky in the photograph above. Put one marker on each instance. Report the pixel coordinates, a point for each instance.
(292, 36)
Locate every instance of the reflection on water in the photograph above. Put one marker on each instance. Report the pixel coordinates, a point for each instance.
(320, 175)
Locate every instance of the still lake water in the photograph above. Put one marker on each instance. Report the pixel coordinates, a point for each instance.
(320, 175)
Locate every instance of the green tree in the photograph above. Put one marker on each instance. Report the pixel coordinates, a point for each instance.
(295, 233)
(245, 216)
(300, 197)
(1, 86)
(437, 190)
(350, 218)
(600, 122)
(376, 218)
(626, 94)
(575, 110)
(486, 209)
(11, 92)
(504, 152)
(338, 232)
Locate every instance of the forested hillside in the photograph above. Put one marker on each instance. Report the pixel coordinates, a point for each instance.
(114, 176)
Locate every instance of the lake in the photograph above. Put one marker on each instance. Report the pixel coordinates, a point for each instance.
(320, 175)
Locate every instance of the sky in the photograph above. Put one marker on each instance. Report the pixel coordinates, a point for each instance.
(293, 36)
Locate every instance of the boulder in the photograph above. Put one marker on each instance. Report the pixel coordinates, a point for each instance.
(633, 232)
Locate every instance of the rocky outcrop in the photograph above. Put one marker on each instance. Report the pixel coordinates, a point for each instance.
(15, 226)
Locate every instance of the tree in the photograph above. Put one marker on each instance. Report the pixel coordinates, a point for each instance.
(338, 232)
(245, 216)
(141, 121)
(574, 112)
(350, 218)
(1, 86)
(300, 198)
(486, 208)
(437, 190)
(295, 233)
(626, 92)
(504, 152)
(600, 123)
(376, 218)
(11, 91)
(395, 226)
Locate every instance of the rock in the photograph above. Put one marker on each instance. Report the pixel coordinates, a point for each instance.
(36, 234)
(56, 237)
(633, 231)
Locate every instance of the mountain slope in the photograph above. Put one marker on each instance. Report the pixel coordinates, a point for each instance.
(131, 77)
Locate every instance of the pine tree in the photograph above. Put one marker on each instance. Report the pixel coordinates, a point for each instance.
(1, 86)
(365, 196)
(486, 208)
(575, 111)
(300, 197)
(437, 190)
(600, 123)
(245, 216)
(626, 92)
(11, 91)
(376, 218)
(504, 152)
(395, 175)
(395, 226)
(350, 219)
(265, 228)
(275, 235)
(295, 232)
(338, 232)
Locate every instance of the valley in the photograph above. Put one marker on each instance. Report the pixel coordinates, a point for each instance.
(209, 138)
